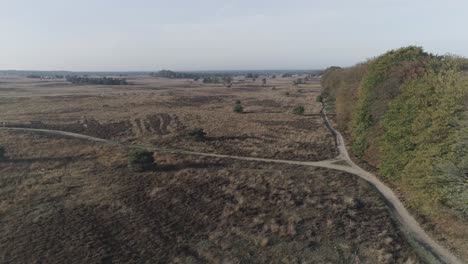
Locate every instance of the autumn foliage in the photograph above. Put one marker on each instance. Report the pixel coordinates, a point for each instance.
(406, 114)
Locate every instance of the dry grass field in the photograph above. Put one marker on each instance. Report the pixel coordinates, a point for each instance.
(66, 200)
(161, 111)
(80, 204)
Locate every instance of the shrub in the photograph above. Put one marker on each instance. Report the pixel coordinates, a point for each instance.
(2, 153)
(319, 99)
(238, 102)
(298, 81)
(141, 160)
(238, 108)
(197, 134)
(298, 110)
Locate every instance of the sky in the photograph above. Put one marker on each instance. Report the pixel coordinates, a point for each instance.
(149, 35)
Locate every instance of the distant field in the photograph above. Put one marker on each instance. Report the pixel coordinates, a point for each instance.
(161, 111)
(70, 201)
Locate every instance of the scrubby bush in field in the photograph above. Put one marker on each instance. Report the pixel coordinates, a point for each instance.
(2, 153)
(198, 134)
(238, 108)
(319, 99)
(298, 81)
(141, 160)
(298, 110)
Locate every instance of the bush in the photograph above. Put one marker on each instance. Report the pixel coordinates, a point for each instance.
(298, 110)
(141, 160)
(238, 108)
(238, 102)
(2, 153)
(197, 134)
(319, 99)
(298, 81)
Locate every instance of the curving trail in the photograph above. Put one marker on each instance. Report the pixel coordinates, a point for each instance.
(407, 223)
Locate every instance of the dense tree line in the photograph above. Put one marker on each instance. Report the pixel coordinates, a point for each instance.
(211, 80)
(96, 80)
(207, 77)
(210, 76)
(175, 75)
(251, 75)
(406, 113)
(35, 76)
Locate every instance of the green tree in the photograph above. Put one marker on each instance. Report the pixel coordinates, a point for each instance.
(380, 84)
(425, 139)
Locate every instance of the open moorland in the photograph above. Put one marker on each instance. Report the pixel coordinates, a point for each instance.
(66, 200)
(162, 111)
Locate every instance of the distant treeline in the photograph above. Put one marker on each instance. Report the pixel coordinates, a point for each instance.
(175, 75)
(406, 113)
(95, 80)
(34, 76)
(206, 77)
(217, 76)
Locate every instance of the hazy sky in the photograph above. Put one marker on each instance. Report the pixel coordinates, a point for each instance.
(137, 35)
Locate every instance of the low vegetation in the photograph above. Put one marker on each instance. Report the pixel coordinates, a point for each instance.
(141, 160)
(406, 112)
(238, 107)
(197, 134)
(298, 81)
(298, 110)
(2, 153)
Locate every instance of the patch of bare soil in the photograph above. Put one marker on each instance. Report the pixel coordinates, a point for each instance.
(89, 208)
(158, 124)
(155, 124)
